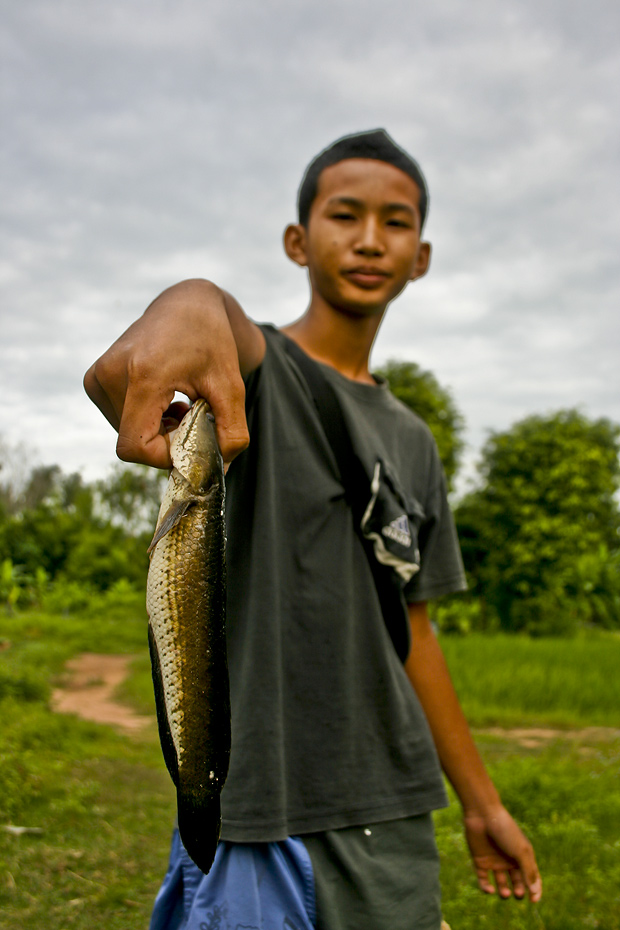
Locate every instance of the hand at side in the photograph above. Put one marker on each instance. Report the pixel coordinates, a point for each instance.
(503, 857)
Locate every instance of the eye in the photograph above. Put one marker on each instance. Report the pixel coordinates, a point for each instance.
(343, 213)
(402, 224)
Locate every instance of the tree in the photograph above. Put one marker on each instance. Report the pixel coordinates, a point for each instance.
(60, 527)
(19, 481)
(131, 496)
(423, 394)
(545, 504)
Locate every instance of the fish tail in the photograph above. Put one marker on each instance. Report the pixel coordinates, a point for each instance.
(199, 828)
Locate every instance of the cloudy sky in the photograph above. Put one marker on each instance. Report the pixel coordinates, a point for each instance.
(145, 141)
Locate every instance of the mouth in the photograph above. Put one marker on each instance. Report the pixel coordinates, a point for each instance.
(366, 275)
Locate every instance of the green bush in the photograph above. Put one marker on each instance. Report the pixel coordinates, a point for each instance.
(540, 536)
(23, 686)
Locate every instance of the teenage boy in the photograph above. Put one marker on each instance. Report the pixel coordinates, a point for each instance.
(336, 743)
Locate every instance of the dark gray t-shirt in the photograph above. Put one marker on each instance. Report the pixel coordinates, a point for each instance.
(327, 730)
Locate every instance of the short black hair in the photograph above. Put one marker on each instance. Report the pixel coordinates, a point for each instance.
(375, 143)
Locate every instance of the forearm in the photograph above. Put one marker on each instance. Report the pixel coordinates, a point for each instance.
(498, 846)
(428, 672)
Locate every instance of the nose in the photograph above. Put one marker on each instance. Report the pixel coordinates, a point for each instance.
(370, 241)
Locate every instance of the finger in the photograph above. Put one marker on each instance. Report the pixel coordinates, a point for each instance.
(143, 450)
(141, 438)
(106, 381)
(99, 397)
(535, 890)
(531, 875)
(501, 880)
(226, 396)
(483, 881)
(518, 885)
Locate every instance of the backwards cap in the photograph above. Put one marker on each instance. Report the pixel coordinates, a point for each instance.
(376, 144)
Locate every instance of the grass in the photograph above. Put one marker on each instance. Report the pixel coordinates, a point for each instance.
(514, 681)
(105, 807)
(564, 792)
(568, 803)
(137, 690)
(105, 802)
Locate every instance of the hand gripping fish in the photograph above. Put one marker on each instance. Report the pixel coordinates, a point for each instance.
(186, 604)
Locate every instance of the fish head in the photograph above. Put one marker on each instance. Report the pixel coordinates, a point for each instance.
(194, 450)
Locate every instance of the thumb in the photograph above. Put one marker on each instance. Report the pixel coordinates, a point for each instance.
(534, 884)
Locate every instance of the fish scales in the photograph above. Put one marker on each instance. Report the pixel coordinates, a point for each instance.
(186, 602)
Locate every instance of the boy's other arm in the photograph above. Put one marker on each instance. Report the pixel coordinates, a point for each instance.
(497, 844)
(195, 339)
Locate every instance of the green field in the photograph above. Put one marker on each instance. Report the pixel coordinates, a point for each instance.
(516, 681)
(104, 802)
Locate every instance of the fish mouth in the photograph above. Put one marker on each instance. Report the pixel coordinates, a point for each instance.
(194, 450)
(199, 408)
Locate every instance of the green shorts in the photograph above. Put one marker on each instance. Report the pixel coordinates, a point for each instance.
(384, 876)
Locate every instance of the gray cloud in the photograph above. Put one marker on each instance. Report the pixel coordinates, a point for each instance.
(146, 142)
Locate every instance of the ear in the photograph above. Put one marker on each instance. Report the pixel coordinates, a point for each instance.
(295, 244)
(422, 261)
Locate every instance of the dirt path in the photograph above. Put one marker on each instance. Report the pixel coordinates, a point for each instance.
(532, 737)
(89, 690)
(92, 680)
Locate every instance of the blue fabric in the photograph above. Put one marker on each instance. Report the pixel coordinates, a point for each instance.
(259, 886)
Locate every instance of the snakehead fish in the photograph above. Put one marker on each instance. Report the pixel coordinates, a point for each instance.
(186, 604)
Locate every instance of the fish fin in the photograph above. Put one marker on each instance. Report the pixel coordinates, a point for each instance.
(170, 519)
(199, 827)
(165, 736)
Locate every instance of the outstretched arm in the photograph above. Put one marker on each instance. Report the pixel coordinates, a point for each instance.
(195, 339)
(502, 855)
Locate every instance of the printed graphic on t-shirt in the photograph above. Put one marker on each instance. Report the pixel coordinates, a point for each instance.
(398, 530)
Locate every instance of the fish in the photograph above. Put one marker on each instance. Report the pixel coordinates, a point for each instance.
(186, 606)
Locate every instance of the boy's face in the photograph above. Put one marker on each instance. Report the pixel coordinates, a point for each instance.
(362, 243)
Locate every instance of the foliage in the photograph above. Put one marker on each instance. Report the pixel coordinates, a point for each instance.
(423, 394)
(71, 597)
(130, 497)
(10, 588)
(57, 530)
(22, 485)
(459, 615)
(18, 589)
(595, 584)
(540, 536)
